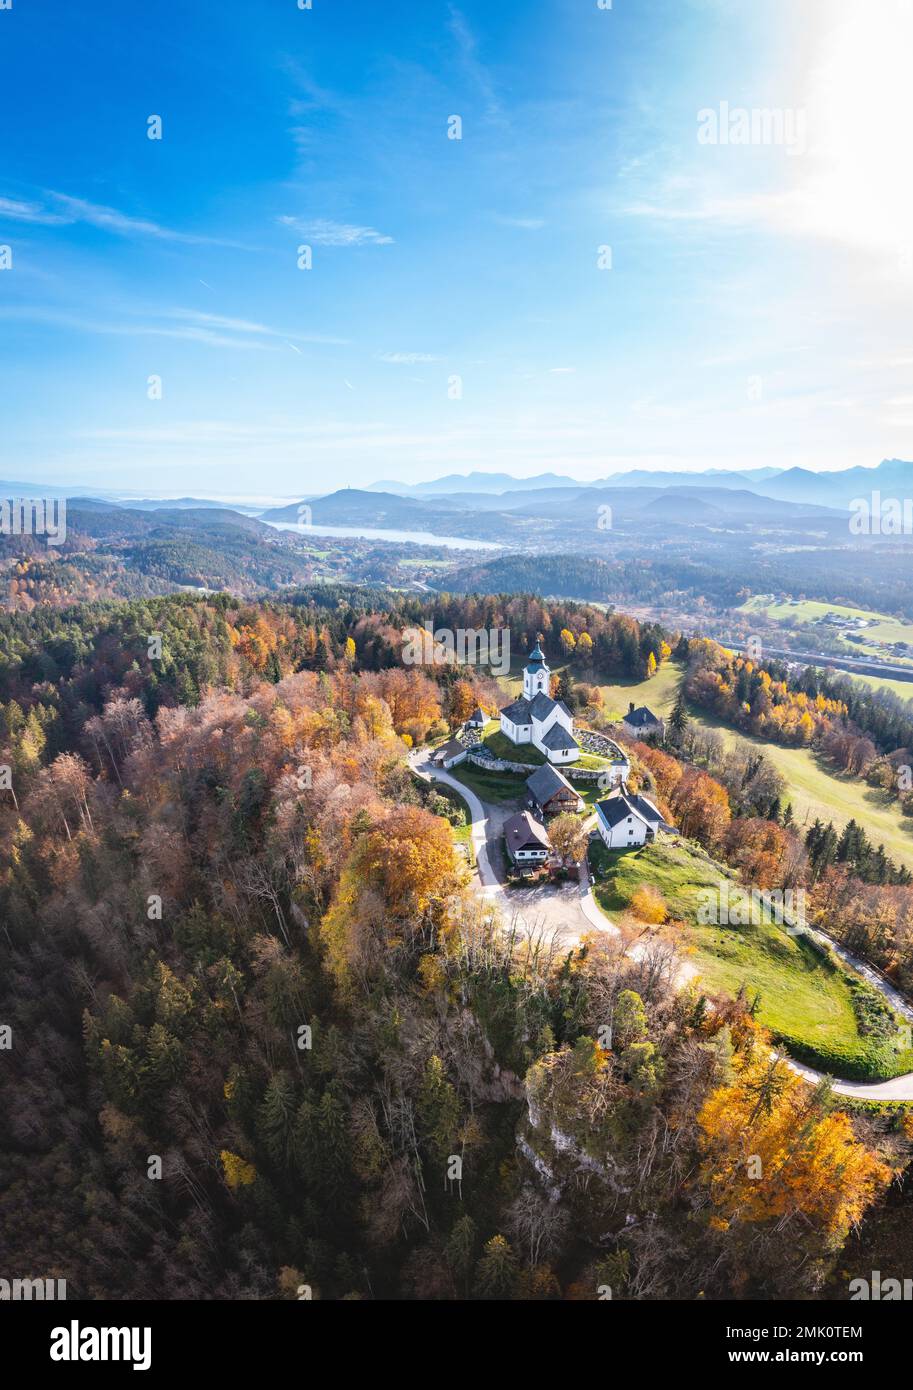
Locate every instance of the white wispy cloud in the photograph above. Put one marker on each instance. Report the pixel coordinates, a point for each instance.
(187, 325)
(474, 68)
(62, 210)
(526, 224)
(325, 232)
(235, 325)
(408, 359)
(16, 211)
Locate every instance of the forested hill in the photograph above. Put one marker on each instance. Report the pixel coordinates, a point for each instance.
(258, 1035)
(719, 567)
(217, 640)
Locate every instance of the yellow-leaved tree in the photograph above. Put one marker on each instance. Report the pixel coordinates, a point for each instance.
(773, 1150)
(238, 1172)
(393, 887)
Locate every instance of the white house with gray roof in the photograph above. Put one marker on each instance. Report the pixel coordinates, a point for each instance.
(625, 819)
(538, 719)
(643, 723)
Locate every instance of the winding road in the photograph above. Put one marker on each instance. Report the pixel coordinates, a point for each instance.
(565, 910)
(570, 910)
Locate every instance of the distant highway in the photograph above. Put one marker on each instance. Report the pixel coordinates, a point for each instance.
(841, 663)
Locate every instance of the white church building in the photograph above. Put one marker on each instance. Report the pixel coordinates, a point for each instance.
(538, 719)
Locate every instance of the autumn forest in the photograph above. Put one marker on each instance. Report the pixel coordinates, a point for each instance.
(265, 1037)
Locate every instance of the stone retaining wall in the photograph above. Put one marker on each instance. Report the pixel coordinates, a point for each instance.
(500, 764)
(592, 774)
(590, 741)
(572, 773)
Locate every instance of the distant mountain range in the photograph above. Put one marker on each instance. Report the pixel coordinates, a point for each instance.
(457, 501)
(663, 542)
(893, 477)
(575, 514)
(497, 483)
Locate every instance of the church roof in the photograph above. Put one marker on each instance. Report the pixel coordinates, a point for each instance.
(518, 712)
(541, 706)
(558, 737)
(536, 662)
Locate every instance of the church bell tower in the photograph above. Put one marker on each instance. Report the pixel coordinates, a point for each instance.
(536, 674)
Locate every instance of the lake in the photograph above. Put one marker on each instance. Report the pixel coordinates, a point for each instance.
(402, 537)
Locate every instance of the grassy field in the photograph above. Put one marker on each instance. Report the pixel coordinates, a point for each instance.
(806, 997)
(658, 693)
(505, 788)
(806, 612)
(903, 689)
(501, 747)
(815, 790)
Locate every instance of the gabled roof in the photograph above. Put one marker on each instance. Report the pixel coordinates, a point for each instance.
(541, 705)
(559, 737)
(638, 717)
(522, 832)
(478, 716)
(546, 781)
(563, 706)
(620, 803)
(646, 808)
(449, 750)
(518, 712)
(617, 808)
(641, 804)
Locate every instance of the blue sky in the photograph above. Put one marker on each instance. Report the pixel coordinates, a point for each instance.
(756, 310)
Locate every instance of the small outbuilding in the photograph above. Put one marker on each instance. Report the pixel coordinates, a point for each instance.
(450, 754)
(643, 723)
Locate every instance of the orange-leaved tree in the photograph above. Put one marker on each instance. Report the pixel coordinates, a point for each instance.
(774, 1150)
